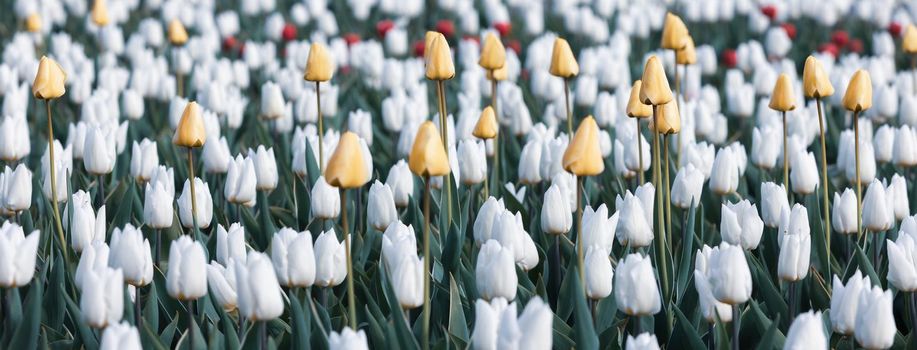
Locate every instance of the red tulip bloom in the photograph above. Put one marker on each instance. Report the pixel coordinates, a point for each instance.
(840, 38)
(829, 48)
(790, 30)
(289, 32)
(229, 43)
(503, 27)
(770, 11)
(445, 27)
(418, 48)
(894, 29)
(855, 45)
(351, 38)
(730, 58)
(515, 46)
(384, 26)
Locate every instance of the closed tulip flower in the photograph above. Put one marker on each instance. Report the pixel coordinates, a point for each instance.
(347, 340)
(807, 332)
(875, 321)
(644, 341)
(896, 193)
(583, 156)
(157, 206)
(725, 178)
(530, 163)
(380, 211)
(654, 89)
(216, 156)
(858, 96)
(326, 203)
(222, 282)
(94, 257)
(635, 286)
(438, 60)
(495, 271)
(687, 187)
(555, 212)
(483, 222)
(16, 188)
(428, 156)
(599, 273)
(330, 263)
(87, 225)
(397, 240)
(98, 152)
(401, 182)
(804, 174)
(487, 127)
(190, 131)
(508, 230)
(668, 120)
(773, 203)
(259, 294)
(636, 229)
(204, 204)
(883, 144)
(144, 159)
(712, 309)
(563, 63)
(472, 159)
(230, 244)
(120, 336)
(599, 229)
(265, 168)
(740, 224)
(845, 301)
(241, 182)
(844, 212)
(64, 165)
(102, 300)
(877, 216)
(131, 254)
(764, 150)
(488, 317)
(730, 277)
(17, 255)
(186, 277)
(14, 138)
(493, 54)
(904, 149)
(902, 262)
(49, 80)
(407, 281)
(793, 262)
(815, 81)
(319, 64)
(132, 104)
(272, 104)
(178, 36)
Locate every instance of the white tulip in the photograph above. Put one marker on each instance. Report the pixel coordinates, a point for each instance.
(131, 253)
(330, 260)
(259, 294)
(896, 193)
(144, 159)
(773, 203)
(599, 273)
(186, 278)
(804, 174)
(265, 168)
(407, 281)
(401, 182)
(347, 340)
(94, 256)
(555, 212)
(764, 148)
(484, 222)
(644, 341)
(807, 332)
(729, 275)
(230, 244)
(844, 212)
(904, 151)
(793, 263)
(241, 181)
(63, 159)
(687, 187)
(204, 212)
(222, 282)
(17, 255)
(875, 321)
(472, 159)
(740, 224)
(293, 257)
(883, 143)
(272, 104)
(16, 188)
(216, 156)
(326, 200)
(487, 322)
(86, 226)
(530, 163)
(380, 210)
(635, 286)
(877, 216)
(14, 138)
(99, 152)
(102, 300)
(599, 229)
(845, 301)
(636, 229)
(725, 177)
(120, 336)
(902, 262)
(496, 272)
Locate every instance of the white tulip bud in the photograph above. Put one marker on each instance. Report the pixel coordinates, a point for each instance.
(102, 300)
(729, 275)
(599, 273)
(204, 212)
(186, 278)
(330, 260)
(144, 160)
(241, 182)
(875, 321)
(635, 286)
(259, 294)
(231, 244)
(293, 257)
(326, 200)
(496, 272)
(380, 210)
(555, 212)
(17, 255)
(807, 332)
(131, 253)
(845, 302)
(120, 336)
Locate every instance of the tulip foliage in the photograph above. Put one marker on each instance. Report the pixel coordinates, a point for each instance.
(479, 174)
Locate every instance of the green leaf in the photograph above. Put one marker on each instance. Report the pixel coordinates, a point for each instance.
(457, 324)
(684, 334)
(86, 335)
(685, 263)
(300, 322)
(584, 332)
(26, 336)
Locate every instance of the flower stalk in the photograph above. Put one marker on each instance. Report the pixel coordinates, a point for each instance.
(53, 173)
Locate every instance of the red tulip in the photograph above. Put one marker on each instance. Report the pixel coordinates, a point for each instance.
(855, 45)
(770, 11)
(790, 30)
(830, 48)
(503, 27)
(351, 38)
(840, 38)
(730, 59)
(384, 26)
(445, 27)
(229, 43)
(894, 29)
(289, 32)
(515, 45)
(418, 48)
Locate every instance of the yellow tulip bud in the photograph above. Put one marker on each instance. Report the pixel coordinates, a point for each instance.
(686, 55)
(439, 59)
(33, 23)
(583, 156)
(428, 157)
(783, 99)
(858, 97)
(49, 81)
(428, 42)
(654, 89)
(909, 41)
(99, 13)
(190, 131)
(345, 168)
(499, 74)
(674, 33)
(668, 121)
(319, 65)
(815, 82)
(493, 54)
(636, 108)
(487, 126)
(563, 63)
(178, 36)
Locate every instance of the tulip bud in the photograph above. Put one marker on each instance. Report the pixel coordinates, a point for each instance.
(858, 96)
(493, 54)
(19, 254)
(654, 89)
(875, 321)
(687, 187)
(157, 206)
(190, 132)
(178, 36)
(230, 244)
(265, 168)
(845, 301)
(87, 226)
(730, 277)
(740, 224)
(635, 107)
(644, 341)
(330, 260)
(725, 179)
(902, 265)
(428, 156)
(319, 64)
(783, 99)
(186, 277)
(635, 286)
(102, 300)
(407, 281)
(712, 309)
(636, 214)
(904, 151)
(674, 33)
(909, 40)
(486, 127)
(530, 163)
(773, 203)
(380, 210)
(204, 208)
(401, 182)
(483, 222)
(686, 55)
(346, 168)
(272, 105)
(326, 203)
(668, 120)
(93, 257)
(222, 282)
(599, 273)
(241, 180)
(844, 213)
(99, 13)
(439, 59)
(793, 262)
(347, 340)
(807, 332)
(804, 174)
(120, 336)
(496, 271)
(472, 159)
(16, 188)
(583, 156)
(49, 80)
(99, 152)
(14, 131)
(877, 216)
(563, 63)
(144, 159)
(33, 23)
(397, 240)
(764, 149)
(815, 81)
(131, 254)
(555, 212)
(259, 294)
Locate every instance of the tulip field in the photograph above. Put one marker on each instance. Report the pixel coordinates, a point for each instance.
(458, 174)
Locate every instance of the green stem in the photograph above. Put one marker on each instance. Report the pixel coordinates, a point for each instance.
(786, 158)
(579, 232)
(824, 185)
(444, 130)
(660, 229)
(639, 153)
(321, 129)
(426, 263)
(351, 300)
(856, 143)
(567, 106)
(53, 173)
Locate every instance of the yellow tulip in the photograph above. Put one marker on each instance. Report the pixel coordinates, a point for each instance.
(783, 99)
(487, 126)
(428, 43)
(654, 89)
(345, 168)
(439, 59)
(815, 82)
(563, 63)
(49, 81)
(583, 156)
(33, 23)
(909, 41)
(428, 157)
(686, 55)
(493, 54)
(99, 13)
(636, 108)
(190, 132)
(858, 97)
(674, 33)
(178, 36)
(668, 121)
(319, 65)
